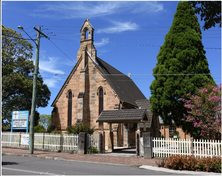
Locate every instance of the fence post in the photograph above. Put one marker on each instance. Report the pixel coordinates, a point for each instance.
(61, 142)
(82, 143)
(98, 142)
(147, 143)
(88, 141)
(43, 138)
(191, 145)
(19, 144)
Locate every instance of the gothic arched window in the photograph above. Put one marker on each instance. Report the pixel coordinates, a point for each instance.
(100, 100)
(70, 109)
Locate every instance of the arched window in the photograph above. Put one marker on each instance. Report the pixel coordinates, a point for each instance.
(86, 33)
(70, 109)
(100, 100)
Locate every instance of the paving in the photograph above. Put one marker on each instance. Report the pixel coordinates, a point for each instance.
(118, 157)
(109, 158)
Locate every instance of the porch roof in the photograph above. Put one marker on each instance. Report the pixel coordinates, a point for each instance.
(123, 116)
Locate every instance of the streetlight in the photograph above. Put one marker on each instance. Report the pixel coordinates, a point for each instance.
(20, 27)
(37, 43)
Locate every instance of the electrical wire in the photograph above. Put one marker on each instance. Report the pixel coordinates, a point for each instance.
(123, 27)
(61, 51)
(138, 44)
(148, 74)
(18, 37)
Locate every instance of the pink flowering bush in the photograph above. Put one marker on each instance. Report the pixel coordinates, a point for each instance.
(204, 111)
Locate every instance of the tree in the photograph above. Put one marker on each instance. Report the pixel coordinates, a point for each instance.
(181, 67)
(204, 111)
(45, 121)
(81, 127)
(39, 129)
(17, 76)
(210, 12)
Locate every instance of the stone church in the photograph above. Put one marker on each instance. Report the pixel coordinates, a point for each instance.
(97, 93)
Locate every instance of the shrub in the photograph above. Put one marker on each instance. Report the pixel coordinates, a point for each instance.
(92, 150)
(82, 127)
(174, 162)
(56, 132)
(161, 162)
(175, 133)
(39, 129)
(192, 163)
(215, 165)
(51, 128)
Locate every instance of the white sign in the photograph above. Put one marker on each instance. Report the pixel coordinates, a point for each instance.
(20, 114)
(20, 123)
(15, 114)
(25, 139)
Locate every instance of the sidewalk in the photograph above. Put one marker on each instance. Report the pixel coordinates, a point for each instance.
(99, 158)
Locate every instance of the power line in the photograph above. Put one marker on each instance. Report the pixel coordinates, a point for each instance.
(123, 27)
(138, 44)
(35, 39)
(144, 37)
(62, 51)
(17, 37)
(29, 27)
(132, 33)
(189, 74)
(130, 29)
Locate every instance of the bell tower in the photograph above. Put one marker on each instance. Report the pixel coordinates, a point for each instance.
(86, 42)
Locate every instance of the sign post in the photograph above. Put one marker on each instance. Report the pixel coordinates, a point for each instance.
(20, 120)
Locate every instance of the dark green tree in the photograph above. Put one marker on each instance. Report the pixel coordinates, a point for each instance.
(210, 12)
(17, 76)
(181, 67)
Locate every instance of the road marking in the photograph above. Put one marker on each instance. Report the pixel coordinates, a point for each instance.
(47, 173)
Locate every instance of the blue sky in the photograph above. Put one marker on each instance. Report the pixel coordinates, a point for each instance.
(128, 36)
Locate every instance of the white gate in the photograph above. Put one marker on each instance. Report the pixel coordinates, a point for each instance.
(141, 148)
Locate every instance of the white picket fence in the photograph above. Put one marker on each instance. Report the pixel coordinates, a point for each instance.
(55, 142)
(65, 142)
(198, 148)
(12, 139)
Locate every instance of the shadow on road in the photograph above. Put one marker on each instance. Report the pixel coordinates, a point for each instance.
(9, 163)
(127, 151)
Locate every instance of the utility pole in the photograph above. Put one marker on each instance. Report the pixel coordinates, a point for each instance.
(37, 43)
(31, 132)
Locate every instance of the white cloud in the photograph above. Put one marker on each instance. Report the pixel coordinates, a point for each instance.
(51, 82)
(120, 27)
(50, 65)
(150, 6)
(83, 9)
(102, 43)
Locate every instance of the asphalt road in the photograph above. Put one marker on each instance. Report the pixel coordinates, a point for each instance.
(17, 165)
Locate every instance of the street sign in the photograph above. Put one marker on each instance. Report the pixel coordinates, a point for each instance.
(20, 120)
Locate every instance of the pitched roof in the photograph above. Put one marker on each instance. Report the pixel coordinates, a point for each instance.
(86, 20)
(123, 85)
(145, 104)
(67, 80)
(123, 116)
